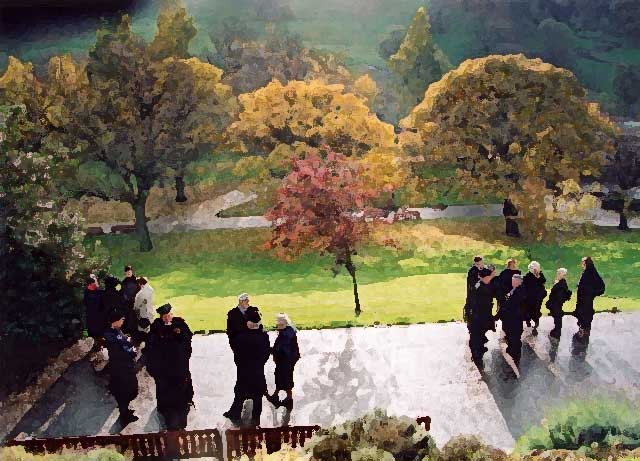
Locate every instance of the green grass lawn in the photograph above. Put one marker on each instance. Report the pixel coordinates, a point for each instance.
(201, 273)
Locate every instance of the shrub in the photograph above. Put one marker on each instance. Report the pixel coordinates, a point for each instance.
(375, 436)
(101, 454)
(593, 425)
(470, 448)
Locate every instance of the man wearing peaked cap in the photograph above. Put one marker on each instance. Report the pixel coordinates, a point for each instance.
(169, 344)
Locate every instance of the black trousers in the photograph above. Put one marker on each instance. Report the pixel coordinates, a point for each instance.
(235, 412)
(557, 325)
(514, 346)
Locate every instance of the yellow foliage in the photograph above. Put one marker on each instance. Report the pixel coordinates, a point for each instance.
(384, 169)
(366, 87)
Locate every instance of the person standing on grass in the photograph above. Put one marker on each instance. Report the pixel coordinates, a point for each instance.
(589, 286)
(129, 288)
(237, 319)
(481, 315)
(123, 382)
(560, 293)
(472, 279)
(285, 355)
(251, 352)
(534, 284)
(510, 313)
(169, 353)
(96, 316)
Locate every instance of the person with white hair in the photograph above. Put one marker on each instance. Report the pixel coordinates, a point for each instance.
(286, 354)
(560, 294)
(237, 318)
(534, 285)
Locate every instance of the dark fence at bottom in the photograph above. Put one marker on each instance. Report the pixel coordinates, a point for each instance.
(186, 444)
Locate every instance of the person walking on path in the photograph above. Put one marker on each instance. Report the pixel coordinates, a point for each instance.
(286, 354)
(510, 313)
(481, 315)
(123, 382)
(472, 279)
(534, 282)
(144, 309)
(237, 319)
(251, 352)
(589, 286)
(129, 288)
(96, 315)
(559, 294)
(169, 353)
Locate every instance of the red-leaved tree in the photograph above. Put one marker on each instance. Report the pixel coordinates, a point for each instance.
(315, 211)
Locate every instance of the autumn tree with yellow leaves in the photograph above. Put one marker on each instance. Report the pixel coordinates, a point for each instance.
(279, 124)
(514, 127)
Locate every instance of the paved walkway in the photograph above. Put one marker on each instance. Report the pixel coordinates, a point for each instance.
(416, 370)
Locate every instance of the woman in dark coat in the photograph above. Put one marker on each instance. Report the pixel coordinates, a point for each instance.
(96, 314)
(560, 293)
(589, 286)
(285, 355)
(534, 285)
(169, 343)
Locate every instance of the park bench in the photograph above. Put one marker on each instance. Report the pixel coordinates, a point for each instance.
(94, 231)
(123, 229)
(167, 445)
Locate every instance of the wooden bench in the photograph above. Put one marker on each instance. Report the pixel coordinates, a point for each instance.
(123, 229)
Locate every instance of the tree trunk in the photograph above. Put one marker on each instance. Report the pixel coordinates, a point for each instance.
(4, 244)
(623, 225)
(180, 195)
(142, 229)
(352, 271)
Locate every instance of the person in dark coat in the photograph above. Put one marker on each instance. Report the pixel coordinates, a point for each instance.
(510, 212)
(111, 297)
(560, 293)
(589, 286)
(510, 313)
(285, 355)
(472, 279)
(506, 275)
(251, 350)
(533, 283)
(123, 382)
(129, 287)
(237, 319)
(96, 314)
(481, 315)
(169, 344)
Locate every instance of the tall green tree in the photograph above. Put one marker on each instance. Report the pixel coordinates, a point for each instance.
(419, 61)
(141, 116)
(626, 86)
(511, 125)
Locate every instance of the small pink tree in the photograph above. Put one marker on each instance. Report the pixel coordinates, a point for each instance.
(316, 210)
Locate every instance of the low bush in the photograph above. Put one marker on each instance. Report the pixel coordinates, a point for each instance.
(101, 454)
(470, 448)
(593, 426)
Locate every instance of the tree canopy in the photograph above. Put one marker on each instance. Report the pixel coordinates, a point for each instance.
(508, 122)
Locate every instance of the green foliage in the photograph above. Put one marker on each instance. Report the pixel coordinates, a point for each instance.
(375, 436)
(598, 423)
(418, 62)
(626, 87)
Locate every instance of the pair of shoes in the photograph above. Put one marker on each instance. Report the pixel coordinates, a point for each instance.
(234, 421)
(274, 400)
(128, 418)
(535, 331)
(287, 403)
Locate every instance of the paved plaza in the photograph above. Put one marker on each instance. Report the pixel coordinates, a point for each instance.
(415, 370)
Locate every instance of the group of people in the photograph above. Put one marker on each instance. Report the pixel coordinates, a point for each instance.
(519, 302)
(122, 320)
(251, 350)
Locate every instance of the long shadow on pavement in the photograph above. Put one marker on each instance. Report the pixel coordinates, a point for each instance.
(78, 403)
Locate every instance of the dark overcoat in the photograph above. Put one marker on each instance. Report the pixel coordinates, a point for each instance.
(482, 310)
(251, 353)
(96, 314)
(237, 323)
(123, 382)
(285, 355)
(589, 286)
(559, 294)
(511, 311)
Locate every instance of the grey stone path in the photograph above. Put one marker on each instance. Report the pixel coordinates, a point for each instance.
(416, 370)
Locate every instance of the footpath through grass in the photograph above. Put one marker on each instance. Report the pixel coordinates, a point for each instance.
(422, 280)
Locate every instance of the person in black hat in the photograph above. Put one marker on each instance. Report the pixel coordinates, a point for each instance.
(252, 350)
(237, 318)
(123, 382)
(169, 344)
(511, 313)
(472, 279)
(481, 315)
